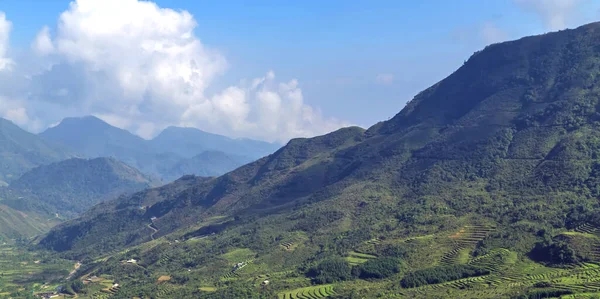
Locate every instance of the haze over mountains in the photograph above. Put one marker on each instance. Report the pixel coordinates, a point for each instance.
(45, 179)
(21, 151)
(50, 194)
(73, 186)
(161, 156)
(509, 142)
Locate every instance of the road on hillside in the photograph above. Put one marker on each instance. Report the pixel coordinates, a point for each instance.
(75, 268)
(154, 230)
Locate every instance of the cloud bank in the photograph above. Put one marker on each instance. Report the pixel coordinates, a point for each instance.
(141, 67)
(556, 14)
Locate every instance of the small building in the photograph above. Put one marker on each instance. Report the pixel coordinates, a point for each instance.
(47, 295)
(132, 261)
(265, 283)
(153, 218)
(239, 266)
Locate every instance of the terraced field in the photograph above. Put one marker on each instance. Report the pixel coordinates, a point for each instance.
(463, 242)
(356, 258)
(507, 276)
(233, 273)
(314, 292)
(19, 267)
(594, 252)
(289, 246)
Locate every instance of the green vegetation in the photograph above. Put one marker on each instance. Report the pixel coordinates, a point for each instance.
(23, 272)
(440, 274)
(315, 292)
(485, 185)
(382, 267)
(331, 270)
(554, 252)
(21, 151)
(72, 186)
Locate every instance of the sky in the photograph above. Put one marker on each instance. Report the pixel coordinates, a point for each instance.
(268, 70)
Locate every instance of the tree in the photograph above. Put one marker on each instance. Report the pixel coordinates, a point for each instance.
(77, 286)
(380, 267)
(332, 270)
(555, 252)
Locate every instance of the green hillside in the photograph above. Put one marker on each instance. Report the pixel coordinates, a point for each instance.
(485, 185)
(21, 151)
(15, 223)
(72, 186)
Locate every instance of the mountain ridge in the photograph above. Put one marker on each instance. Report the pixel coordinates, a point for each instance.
(501, 156)
(160, 156)
(21, 151)
(71, 186)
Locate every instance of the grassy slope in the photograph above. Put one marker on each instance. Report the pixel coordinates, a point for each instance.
(15, 223)
(505, 148)
(72, 186)
(21, 151)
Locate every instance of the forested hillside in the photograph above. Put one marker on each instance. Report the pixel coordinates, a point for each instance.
(485, 185)
(72, 186)
(21, 151)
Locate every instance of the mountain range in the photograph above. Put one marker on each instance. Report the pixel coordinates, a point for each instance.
(162, 156)
(43, 182)
(50, 194)
(21, 151)
(73, 186)
(485, 185)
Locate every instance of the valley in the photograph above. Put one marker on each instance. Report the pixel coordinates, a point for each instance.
(485, 185)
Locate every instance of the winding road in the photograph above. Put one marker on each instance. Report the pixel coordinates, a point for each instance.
(154, 230)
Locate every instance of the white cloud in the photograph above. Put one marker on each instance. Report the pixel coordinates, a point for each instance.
(141, 67)
(385, 78)
(5, 28)
(265, 109)
(490, 33)
(42, 44)
(556, 14)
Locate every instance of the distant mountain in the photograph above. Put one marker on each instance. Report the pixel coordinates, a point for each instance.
(169, 156)
(206, 164)
(21, 151)
(486, 173)
(24, 217)
(92, 137)
(188, 142)
(72, 186)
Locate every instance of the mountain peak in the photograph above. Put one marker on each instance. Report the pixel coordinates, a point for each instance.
(506, 82)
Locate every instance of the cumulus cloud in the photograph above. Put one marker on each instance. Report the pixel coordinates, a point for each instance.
(385, 78)
(141, 67)
(5, 27)
(263, 107)
(556, 14)
(42, 44)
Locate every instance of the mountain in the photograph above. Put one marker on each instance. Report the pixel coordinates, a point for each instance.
(21, 151)
(93, 137)
(21, 216)
(484, 178)
(163, 156)
(188, 142)
(206, 164)
(72, 186)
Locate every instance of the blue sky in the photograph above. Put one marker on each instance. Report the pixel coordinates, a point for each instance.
(356, 61)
